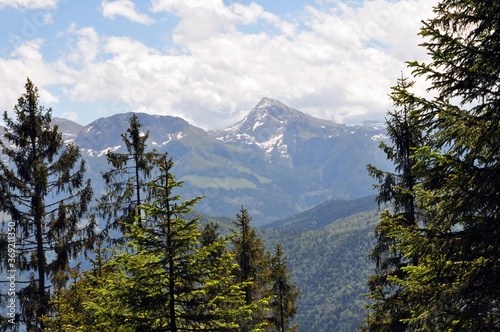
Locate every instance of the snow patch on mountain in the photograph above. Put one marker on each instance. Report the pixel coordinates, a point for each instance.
(170, 137)
(105, 151)
(276, 128)
(379, 137)
(266, 127)
(276, 142)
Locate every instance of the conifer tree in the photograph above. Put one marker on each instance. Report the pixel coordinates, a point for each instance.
(67, 313)
(126, 182)
(284, 294)
(43, 190)
(389, 308)
(454, 286)
(164, 279)
(253, 262)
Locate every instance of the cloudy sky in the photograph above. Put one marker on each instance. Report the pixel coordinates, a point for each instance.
(208, 61)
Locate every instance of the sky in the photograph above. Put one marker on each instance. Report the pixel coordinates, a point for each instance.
(209, 61)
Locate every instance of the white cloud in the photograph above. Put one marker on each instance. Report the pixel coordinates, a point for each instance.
(337, 64)
(86, 48)
(125, 8)
(341, 66)
(27, 61)
(30, 4)
(73, 116)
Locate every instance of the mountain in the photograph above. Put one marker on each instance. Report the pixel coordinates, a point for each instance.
(323, 214)
(275, 162)
(275, 128)
(68, 128)
(105, 133)
(314, 160)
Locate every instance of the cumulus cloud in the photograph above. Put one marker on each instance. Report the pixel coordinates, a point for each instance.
(336, 63)
(124, 8)
(30, 4)
(86, 48)
(339, 64)
(27, 61)
(73, 116)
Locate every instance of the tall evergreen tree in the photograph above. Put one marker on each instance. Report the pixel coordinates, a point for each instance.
(165, 280)
(126, 182)
(253, 262)
(389, 307)
(454, 286)
(284, 294)
(43, 190)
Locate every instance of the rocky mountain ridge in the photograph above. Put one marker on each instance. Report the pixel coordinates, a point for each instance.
(277, 161)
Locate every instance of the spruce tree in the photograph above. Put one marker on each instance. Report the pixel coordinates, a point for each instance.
(43, 190)
(284, 294)
(253, 263)
(389, 308)
(165, 279)
(454, 286)
(126, 182)
(67, 313)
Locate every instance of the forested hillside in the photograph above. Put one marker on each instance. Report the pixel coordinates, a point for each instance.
(331, 267)
(329, 263)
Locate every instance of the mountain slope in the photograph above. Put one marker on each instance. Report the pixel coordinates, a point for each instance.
(323, 214)
(68, 128)
(105, 133)
(314, 159)
(275, 128)
(331, 267)
(329, 263)
(276, 162)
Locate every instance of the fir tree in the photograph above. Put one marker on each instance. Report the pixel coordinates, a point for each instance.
(67, 313)
(126, 182)
(253, 262)
(165, 280)
(454, 286)
(389, 308)
(284, 294)
(44, 191)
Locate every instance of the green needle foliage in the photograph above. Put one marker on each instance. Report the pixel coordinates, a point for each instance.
(285, 293)
(43, 190)
(254, 265)
(454, 286)
(389, 308)
(126, 182)
(165, 279)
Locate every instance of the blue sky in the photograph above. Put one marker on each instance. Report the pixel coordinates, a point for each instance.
(208, 61)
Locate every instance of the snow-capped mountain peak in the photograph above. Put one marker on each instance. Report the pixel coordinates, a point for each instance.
(275, 128)
(266, 121)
